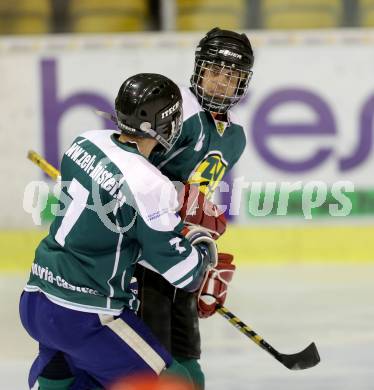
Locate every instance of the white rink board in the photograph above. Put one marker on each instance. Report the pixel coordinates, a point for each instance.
(290, 306)
(52, 84)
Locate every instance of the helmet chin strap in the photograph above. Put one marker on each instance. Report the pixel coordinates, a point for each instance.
(158, 138)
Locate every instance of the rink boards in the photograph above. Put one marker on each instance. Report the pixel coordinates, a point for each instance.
(269, 244)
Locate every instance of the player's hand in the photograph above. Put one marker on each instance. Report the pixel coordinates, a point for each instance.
(201, 239)
(197, 210)
(214, 288)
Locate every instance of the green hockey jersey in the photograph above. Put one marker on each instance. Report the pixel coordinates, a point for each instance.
(206, 149)
(114, 205)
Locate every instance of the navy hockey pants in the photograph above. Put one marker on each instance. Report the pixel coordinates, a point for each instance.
(104, 348)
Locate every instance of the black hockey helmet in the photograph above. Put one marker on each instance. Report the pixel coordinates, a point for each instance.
(222, 52)
(149, 105)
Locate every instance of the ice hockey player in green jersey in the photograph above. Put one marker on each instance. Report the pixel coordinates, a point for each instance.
(116, 209)
(211, 142)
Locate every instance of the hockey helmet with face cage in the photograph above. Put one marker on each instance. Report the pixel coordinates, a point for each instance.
(149, 105)
(222, 53)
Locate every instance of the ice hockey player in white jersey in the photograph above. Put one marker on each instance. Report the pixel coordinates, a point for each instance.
(117, 208)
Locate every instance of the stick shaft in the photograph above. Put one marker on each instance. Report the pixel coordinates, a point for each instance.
(246, 330)
(43, 164)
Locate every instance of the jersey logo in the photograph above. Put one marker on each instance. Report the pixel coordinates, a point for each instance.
(221, 127)
(175, 242)
(209, 173)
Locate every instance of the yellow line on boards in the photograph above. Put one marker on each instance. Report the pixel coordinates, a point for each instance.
(283, 244)
(18, 247)
(250, 245)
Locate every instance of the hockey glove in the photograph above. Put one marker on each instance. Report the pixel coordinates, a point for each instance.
(214, 288)
(198, 210)
(201, 238)
(206, 246)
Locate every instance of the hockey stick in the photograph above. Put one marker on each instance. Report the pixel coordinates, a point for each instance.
(307, 358)
(43, 164)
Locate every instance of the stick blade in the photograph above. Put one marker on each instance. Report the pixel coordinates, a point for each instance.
(307, 358)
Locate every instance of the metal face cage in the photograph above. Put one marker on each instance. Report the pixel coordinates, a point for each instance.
(219, 86)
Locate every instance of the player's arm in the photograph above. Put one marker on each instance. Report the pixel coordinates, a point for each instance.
(198, 210)
(180, 255)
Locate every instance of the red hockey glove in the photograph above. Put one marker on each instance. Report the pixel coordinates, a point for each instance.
(214, 288)
(197, 210)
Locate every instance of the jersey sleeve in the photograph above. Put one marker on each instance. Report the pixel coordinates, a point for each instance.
(157, 229)
(170, 254)
(240, 148)
(240, 141)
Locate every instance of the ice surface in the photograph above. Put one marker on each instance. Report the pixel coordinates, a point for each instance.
(288, 305)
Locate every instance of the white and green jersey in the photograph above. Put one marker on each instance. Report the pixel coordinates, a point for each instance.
(114, 205)
(206, 149)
